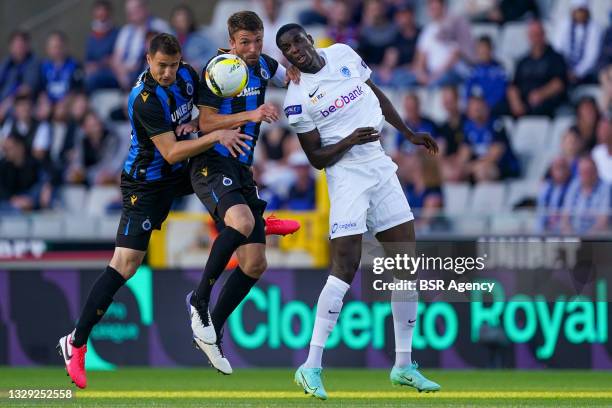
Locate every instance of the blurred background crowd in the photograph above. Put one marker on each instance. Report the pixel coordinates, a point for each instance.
(518, 94)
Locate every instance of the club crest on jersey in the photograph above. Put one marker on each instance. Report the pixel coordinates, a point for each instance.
(189, 89)
(293, 110)
(146, 225)
(345, 71)
(227, 181)
(264, 73)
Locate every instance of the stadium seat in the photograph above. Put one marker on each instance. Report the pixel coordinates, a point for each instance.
(47, 226)
(84, 227)
(104, 101)
(559, 125)
(487, 198)
(593, 91)
(513, 41)
(100, 197)
(537, 167)
(469, 225)
(433, 107)
(107, 226)
(490, 30)
(530, 135)
(14, 227)
(73, 198)
(223, 9)
(456, 197)
(194, 205)
(519, 190)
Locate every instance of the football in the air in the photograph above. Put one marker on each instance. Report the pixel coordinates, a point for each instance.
(226, 75)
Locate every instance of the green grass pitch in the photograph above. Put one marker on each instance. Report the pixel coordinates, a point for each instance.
(147, 387)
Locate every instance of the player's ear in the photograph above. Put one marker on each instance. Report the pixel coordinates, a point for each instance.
(232, 43)
(149, 59)
(310, 38)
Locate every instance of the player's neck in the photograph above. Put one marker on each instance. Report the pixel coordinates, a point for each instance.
(317, 65)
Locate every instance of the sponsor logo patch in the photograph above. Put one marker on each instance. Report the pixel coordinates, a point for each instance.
(293, 110)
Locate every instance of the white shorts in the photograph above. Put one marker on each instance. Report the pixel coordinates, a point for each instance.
(365, 196)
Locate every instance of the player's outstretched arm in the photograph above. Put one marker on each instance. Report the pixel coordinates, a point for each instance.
(391, 116)
(175, 151)
(324, 156)
(211, 120)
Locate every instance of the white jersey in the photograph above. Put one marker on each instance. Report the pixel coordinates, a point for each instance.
(364, 191)
(336, 100)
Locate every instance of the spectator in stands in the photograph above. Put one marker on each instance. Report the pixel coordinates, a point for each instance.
(422, 183)
(340, 25)
(451, 138)
(320, 12)
(56, 140)
(22, 123)
(274, 141)
(61, 74)
(264, 191)
(99, 48)
(539, 84)
(502, 11)
(587, 202)
(197, 47)
(492, 156)
(552, 195)
(443, 48)
(578, 40)
(19, 71)
(130, 45)
(396, 67)
(602, 153)
(572, 147)
(604, 67)
(489, 75)
(97, 159)
(301, 196)
(415, 121)
(377, 32)
(587, 117)
(22, 184)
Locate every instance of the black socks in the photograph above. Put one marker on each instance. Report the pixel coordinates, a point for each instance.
(221, 252)
(236, 287)
(99, 299)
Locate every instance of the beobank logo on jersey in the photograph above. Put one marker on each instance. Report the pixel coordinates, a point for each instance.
(342, 101)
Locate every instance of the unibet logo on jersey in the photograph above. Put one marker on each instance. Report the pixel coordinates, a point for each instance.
(342, 101)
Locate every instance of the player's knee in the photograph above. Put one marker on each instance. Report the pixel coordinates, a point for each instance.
(344, 267)
(126, 262)
(255, 268)
(241, 220)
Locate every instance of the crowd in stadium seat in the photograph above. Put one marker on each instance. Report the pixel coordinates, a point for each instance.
(512, 91)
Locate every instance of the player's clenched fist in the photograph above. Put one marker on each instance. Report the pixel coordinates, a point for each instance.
(266, 113)
(363, 135)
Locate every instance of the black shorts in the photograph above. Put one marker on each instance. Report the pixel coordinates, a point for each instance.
(146, 205)
(220, 183)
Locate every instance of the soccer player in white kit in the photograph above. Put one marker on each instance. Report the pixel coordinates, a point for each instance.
(338, 113)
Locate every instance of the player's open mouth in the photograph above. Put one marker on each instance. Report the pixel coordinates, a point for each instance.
(301, 59)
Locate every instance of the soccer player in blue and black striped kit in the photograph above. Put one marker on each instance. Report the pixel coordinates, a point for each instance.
(154, 173)
(225, 185)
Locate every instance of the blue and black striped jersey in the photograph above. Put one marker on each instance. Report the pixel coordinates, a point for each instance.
(153, 110)
(249, 99)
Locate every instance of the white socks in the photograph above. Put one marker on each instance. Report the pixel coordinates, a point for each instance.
(328, 310)
(404, 304)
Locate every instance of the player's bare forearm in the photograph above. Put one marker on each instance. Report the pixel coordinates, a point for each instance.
(321, 156)
(211, 121)
(175, 151)
(389, 112)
